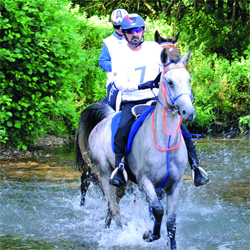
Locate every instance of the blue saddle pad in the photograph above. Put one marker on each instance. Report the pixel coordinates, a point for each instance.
(115, 123)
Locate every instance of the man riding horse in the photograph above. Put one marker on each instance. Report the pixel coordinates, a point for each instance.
(133, 68)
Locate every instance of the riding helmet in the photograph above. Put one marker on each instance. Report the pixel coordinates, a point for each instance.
(132, 21)
(117, 16)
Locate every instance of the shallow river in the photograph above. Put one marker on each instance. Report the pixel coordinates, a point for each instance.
(39, 205)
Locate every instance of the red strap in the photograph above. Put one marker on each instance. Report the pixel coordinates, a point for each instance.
(164, 122)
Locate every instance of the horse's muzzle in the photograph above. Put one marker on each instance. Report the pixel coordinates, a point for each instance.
(188, 115)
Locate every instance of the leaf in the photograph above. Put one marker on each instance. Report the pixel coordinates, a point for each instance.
(18, 124)
(9, 124)
(27, 40)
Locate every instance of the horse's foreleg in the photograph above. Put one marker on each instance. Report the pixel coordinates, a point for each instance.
(173, 199)
(147, 187)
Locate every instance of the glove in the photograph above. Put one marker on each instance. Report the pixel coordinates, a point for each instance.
(150, 84)
(146, 85)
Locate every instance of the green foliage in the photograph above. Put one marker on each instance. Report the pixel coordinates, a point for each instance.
(221, 89)
(40, 54)
(213, 30)
(50, 65)
(244, 123)
(92, 31)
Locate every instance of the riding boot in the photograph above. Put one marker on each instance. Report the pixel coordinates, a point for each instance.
(199, 175)
(119, 176)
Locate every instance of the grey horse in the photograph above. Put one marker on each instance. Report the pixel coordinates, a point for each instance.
(158, 154)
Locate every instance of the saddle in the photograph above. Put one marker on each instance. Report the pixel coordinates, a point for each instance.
(140, 112)
(137, 110)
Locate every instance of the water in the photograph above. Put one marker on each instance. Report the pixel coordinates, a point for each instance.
(39, 205)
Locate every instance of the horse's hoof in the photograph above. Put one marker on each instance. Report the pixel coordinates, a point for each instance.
(82, 202)
(173, 244)
(149, 237)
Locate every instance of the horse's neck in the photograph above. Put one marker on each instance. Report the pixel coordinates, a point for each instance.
(170, 123)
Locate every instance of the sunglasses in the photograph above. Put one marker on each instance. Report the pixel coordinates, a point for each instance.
(117, 27)
(131, 31)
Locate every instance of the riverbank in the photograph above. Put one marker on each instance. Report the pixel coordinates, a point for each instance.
(48, 142)
(36, 151)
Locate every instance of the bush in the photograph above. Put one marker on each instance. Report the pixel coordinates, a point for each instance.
(221, 89)
(213, 31)
(50, 71)
(40, 54)
(92, 31)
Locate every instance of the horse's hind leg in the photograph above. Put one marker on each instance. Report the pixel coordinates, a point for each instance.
(87, 177)
(113, 196)
(120, 192)
(147, 187)
(85, 182)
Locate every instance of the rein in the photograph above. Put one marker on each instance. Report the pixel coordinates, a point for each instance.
(165, 130)
(166, 92)
(168, 149)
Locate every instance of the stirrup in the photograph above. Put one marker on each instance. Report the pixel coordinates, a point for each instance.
(118, 178)
(203, 177)
(115, 175)
(124, 172)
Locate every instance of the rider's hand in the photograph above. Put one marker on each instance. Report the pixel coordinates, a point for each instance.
(146, 85)
(150, 84)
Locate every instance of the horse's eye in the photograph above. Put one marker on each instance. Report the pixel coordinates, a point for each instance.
(170, 83)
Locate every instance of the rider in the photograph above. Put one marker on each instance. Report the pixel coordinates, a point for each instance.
(137, 62)
(133, 76)
(109, 44)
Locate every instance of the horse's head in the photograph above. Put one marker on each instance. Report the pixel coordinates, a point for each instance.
(175, 86)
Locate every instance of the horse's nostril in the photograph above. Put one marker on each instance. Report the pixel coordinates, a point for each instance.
(183, 112)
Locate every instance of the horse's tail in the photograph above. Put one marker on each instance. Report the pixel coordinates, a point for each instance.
(90, 117)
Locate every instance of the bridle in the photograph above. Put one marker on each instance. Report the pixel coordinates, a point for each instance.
(166, 89)
(172, 107)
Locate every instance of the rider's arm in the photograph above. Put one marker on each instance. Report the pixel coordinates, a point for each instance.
(124, 85)
(105, 59)
(121, 76)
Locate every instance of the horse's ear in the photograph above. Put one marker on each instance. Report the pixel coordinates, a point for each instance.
(157, 37)
(186, 58)
(175, 38)
(164, 57)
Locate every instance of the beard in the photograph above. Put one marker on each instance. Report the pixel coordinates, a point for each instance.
(135, 40)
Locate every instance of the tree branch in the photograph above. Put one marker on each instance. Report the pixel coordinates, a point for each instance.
(233, 22)
(150, 8)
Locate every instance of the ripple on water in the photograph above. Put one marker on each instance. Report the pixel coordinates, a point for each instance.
(39, 205)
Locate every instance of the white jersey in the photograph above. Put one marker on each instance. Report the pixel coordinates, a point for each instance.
(131, 68)
(112, 42)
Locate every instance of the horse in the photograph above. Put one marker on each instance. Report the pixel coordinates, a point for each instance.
(87, 175)
(155, 162)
